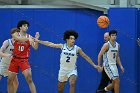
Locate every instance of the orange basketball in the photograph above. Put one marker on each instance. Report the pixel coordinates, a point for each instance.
(103, 21)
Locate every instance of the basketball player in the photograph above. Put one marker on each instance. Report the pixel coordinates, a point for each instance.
(68, 58)
(20, 56)
(105, 79)
(111, 56)
(7, 48)
(138, 41)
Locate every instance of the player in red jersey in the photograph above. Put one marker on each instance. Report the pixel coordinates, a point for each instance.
(20, 56)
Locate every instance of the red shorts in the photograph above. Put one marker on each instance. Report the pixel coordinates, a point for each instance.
(17, 63)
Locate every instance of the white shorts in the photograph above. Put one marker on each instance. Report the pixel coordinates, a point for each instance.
(4, 69)
(64, 75)
(111, 71)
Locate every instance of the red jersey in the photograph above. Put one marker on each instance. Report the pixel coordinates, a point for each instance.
(22, 49)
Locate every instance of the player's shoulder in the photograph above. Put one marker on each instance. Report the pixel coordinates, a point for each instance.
(106, 44)
(117, 43)
(77, 47)
(6, 41)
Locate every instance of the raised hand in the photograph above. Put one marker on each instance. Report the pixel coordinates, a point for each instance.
(37, 35)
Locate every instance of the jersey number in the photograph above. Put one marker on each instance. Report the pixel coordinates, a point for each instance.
(68, 59)
(114, 55)
(21, 48)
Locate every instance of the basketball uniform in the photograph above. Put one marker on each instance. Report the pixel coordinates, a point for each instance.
(20, 56)
(5, 61)
(68, 59)
(110, 61)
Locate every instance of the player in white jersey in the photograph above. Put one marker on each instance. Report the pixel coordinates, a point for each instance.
(68, 58)
(7, 48)
(138, 41)
(111, 48)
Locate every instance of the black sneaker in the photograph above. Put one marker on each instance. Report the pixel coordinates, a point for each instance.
(101, 91)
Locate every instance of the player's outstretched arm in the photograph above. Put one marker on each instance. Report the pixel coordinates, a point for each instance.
(119, 61)
(3, 48)
(138, 42)
(88, 59)
(20, 39)
(47, 43)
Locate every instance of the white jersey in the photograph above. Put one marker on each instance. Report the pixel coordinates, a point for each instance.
(68, 57)
(104, 58)
(9, 50)
(110, 55)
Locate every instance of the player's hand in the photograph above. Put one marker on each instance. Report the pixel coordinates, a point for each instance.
(138, 41)
(100, 69)
(37, 35)
(31, 39)
(122, 69)
(36, 40)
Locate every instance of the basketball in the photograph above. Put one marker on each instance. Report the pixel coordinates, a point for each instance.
(103, 21)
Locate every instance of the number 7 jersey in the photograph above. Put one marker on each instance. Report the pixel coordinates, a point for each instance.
(22, 49)
(111, 54)
(68, 57)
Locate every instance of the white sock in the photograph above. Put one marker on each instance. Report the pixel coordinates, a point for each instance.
(105, 89)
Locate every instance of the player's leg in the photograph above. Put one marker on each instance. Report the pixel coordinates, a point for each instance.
(62, 79)
(72, 81)
(61, 86)
(26, 71)
(28, 76)
(11, 77)
(104, 81)
(113, 87)
(116, 85)
(15, 84)
(13, 70)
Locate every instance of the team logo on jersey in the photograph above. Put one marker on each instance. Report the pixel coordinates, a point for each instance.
(70, 54)
(114, 50)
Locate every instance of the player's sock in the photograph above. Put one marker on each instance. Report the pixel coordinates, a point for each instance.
(105, 89)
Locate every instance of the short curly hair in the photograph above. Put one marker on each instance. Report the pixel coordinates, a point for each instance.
(13, 30)
(22, 22)
(69, 33)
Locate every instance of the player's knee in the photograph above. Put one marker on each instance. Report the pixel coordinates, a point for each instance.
(29, 79)
(10, 80)
(117, 81)
(60, 87)
(72, 83)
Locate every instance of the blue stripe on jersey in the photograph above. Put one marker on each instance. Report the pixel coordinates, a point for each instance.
(12, 42)
(109, 70)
